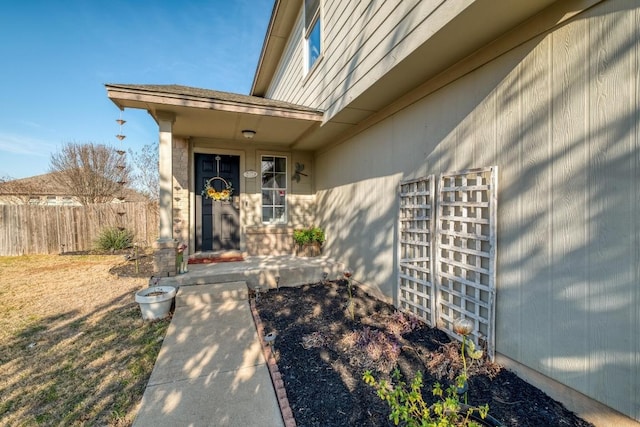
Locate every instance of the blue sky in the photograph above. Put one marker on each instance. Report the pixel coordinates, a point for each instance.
(57, 56)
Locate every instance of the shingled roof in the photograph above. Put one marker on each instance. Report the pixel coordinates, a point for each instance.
(188, 92)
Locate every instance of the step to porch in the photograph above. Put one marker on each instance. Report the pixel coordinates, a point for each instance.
(265, 271)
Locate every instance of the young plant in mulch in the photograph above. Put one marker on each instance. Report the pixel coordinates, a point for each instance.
(368, 347)
(347, 275)
(408, 406)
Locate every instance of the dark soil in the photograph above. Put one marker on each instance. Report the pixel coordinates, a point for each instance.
(322, 353)
(128, 267)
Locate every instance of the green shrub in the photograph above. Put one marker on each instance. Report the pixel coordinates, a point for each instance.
(309, 235)
(113, 238)
(408, 407)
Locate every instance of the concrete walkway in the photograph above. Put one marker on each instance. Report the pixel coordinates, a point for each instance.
(210, 370)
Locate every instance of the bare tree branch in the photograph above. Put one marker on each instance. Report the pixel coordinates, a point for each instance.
(145, 177)
(93, 173)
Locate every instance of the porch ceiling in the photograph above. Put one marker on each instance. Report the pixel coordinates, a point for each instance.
(219, 115)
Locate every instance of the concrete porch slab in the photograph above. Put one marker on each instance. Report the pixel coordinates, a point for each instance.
(264, 271)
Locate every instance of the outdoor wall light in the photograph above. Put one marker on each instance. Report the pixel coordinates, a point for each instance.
(248, 133)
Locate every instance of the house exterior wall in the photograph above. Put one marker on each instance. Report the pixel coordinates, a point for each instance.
(256, 238)
(559, 114)
(181, 206)
(356, 36)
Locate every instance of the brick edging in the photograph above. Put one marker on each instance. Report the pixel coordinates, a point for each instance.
(274, 372)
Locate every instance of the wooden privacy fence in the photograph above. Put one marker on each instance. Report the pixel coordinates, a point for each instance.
(32, 229)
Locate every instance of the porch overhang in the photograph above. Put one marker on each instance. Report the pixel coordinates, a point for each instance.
(219, 115)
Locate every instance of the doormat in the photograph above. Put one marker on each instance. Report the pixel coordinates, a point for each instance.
(215, 258)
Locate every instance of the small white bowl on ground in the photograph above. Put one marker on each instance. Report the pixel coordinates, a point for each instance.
(155, 301)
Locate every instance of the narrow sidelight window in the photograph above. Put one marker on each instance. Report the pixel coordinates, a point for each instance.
(274, 189)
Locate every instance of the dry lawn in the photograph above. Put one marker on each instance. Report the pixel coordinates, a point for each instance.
(74, 349)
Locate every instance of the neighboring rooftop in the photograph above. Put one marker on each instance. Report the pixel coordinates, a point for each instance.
(47, 185)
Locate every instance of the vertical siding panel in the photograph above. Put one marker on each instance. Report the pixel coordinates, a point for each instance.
(484, 148)
(534, 225)
(455, 142)
(634, 337)
(609, 189)
(569, 156)
(509, 268)
(438, 146)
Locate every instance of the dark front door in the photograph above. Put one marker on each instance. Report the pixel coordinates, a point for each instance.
(217, 222)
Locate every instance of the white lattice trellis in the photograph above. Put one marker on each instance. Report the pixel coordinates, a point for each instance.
(450, 274)
(415, 279)
(466, 248)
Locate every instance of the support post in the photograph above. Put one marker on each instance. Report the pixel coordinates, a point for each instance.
(164, 258)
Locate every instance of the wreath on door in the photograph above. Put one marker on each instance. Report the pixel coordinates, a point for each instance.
(223, 195)
(210, 192)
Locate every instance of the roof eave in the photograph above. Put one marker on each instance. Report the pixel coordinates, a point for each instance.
(283, 18)
(124, 97)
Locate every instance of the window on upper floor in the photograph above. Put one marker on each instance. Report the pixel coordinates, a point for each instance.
(274, 189)
(312, 32)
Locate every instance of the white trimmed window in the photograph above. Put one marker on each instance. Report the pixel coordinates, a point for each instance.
(274, 189)
(312, 33)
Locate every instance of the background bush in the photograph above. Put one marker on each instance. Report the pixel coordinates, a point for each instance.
(113, 238)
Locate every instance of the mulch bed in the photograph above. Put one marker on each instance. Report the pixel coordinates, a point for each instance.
(129, 268)
(322, 353)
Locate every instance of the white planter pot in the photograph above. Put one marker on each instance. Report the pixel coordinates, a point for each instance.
(155, 301)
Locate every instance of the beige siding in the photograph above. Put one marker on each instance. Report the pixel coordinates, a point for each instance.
(361, 41)
(560, 116)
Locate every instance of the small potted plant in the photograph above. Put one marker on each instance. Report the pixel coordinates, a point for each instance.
(309, 241)
(181, 262)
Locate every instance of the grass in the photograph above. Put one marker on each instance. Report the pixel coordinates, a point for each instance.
(75, 350)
